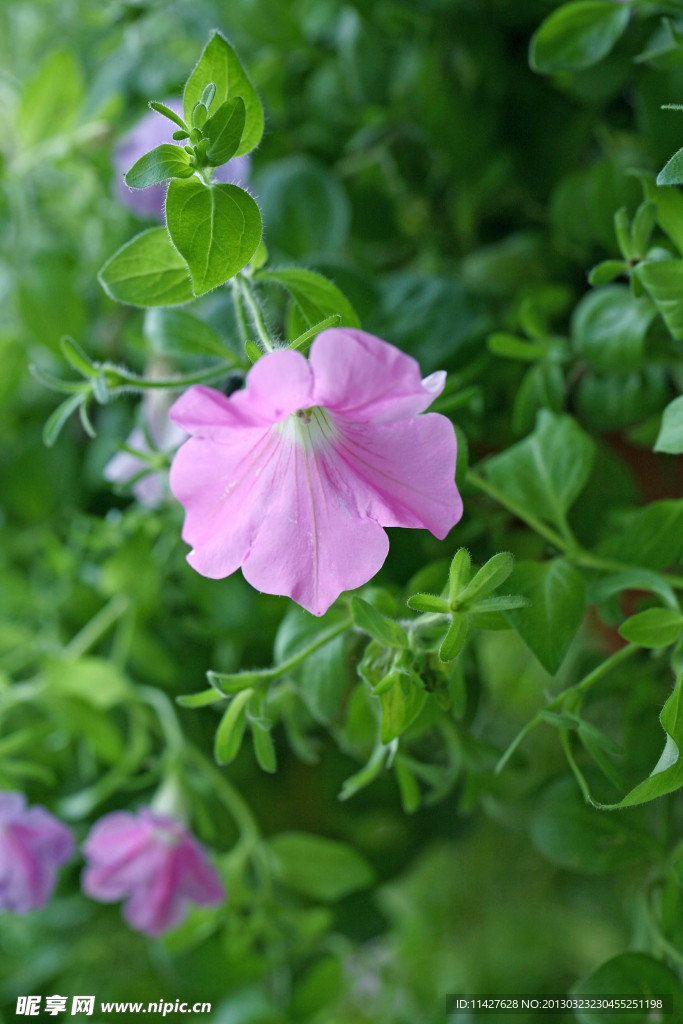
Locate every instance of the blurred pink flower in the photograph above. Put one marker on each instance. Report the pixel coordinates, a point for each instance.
(151, 488)
(33, 844)
(294, 477)
(153, 129)
(153, 862)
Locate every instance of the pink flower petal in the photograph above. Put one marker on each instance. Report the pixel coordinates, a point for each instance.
(404, 473)
(364, 378)
(314, 545)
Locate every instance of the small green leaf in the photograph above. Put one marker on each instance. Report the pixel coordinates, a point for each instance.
(454, 640)
(315, 296)
(224, 131)
(216, 228)
(231, 729)
(627, 976)
(376, 625)
(147, 271)
(166, 161)
(401, 704)
(208, 94)
(667, 775)
(408, 785)
(655, 627)
(663, 281)
(220, 66)
(55, 422)
(323, 869)
(511, 347)
(558, 600)
(491, 575)
(642, 227)
(199, 115)
(161, 108)
(264, 748)
(499, 604)
(51, 99)
(252, 350)
(199, 700)
(235, 682)
(458, 573)
(428, 603)
(652, 536)
(609, 328)
(669, 206)
(607, 271)
(577, 35)
(670, 437)
(672, 172)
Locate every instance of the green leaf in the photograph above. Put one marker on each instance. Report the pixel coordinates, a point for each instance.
(94, 680)
(511, 347)
(408, 785)
(454, 640)
(51, 99)
(667, 774)
(669, 206)
(428, 603)
(220, 65)
(672, 172)
(231, 729)
(376, 625)
(216, 228)
(264, 748)
(670, 437)
(652, 537)
(642, 227)
(401, 704)
(166, 161)
(161, 108)
(577, 35)
(57, 419)
(315, 296)
(663, 281)
(322, 679)
(574, 835)
(458, 573)
(224, 131)
(607, 271)
(546, 471)
(558, 600)
(655, 627)
(609, 327)
(624, 976)
(323, 869)
(174, 332)
(147, 271)
(490, 576)
(611, 401)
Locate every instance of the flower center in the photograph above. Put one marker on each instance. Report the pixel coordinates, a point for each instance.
(308, 428)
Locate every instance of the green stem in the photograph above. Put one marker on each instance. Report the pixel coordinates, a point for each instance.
(131, 382)
(237, 806)
(521, 513)
(240, 315)
(578, 688)
(96, 628)
(563, 540)
(256, 314)
(252, 677)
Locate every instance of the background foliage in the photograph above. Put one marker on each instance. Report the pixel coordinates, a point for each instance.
(458, 185)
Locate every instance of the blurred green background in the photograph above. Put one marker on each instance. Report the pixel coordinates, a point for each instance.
(412, 155)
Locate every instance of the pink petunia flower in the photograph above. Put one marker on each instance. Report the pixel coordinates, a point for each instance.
(294, 477)
(33, 844)
(152, 862)
(153, 129)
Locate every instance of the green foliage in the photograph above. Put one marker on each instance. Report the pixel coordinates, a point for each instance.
(215, 228)
(418, 181)
(147, 271)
